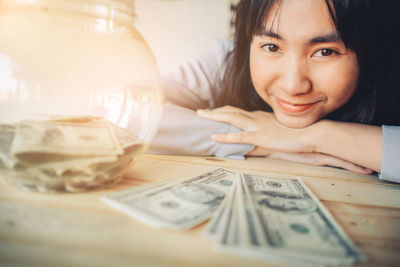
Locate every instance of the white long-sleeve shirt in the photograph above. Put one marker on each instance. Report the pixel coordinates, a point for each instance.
(196, 85)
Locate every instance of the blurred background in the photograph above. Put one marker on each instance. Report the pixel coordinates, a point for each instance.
(178, 30)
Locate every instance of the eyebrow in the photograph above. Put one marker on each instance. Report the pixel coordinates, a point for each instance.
(270, 33)
(327, 38)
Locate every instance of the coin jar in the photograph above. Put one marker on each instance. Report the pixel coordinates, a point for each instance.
(77, 58)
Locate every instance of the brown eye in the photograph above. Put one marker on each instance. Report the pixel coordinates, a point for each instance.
(326, 52)
(271, 48)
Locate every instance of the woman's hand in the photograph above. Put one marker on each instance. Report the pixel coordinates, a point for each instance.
(274, 140)
(313, 158)
(260, 129)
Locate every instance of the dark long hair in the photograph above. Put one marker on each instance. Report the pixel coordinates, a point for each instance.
(370, 28)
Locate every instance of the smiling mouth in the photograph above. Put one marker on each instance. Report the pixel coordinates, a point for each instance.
(290, 107)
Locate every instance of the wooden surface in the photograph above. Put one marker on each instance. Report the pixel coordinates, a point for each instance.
(39, 229)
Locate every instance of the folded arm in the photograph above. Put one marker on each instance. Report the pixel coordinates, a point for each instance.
(190, 86)
(182, 132)
(348, 145)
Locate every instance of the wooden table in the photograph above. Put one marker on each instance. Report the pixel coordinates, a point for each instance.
(39, 229)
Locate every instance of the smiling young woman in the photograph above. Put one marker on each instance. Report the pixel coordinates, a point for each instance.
(295, 71)
(314, 81)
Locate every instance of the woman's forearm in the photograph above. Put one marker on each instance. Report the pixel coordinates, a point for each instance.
(357, 143)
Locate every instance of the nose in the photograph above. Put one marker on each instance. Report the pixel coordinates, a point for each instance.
(294, 79)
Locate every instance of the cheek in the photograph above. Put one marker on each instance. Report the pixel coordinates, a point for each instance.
(338, 83)
(255, 71)
(261, 74)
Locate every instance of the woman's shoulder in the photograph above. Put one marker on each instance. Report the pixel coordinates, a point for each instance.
(221, 48)
(207, 61)
(195, 83)
(214, 58)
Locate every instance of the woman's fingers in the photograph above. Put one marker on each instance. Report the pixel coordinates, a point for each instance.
(320, 160)
(263, 131)
(238, 119)
(233, 110)
(337, 162)
(260, 151)
(236, 138)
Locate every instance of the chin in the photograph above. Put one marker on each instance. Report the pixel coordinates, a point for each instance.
(295, 122)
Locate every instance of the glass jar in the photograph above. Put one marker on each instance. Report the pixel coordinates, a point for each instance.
(77, 58)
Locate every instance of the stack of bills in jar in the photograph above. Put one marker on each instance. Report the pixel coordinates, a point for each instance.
(60, 153)
(259, 217)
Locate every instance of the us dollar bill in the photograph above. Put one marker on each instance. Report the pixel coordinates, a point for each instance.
(251, 242)
(180, 204)
(66, 153)
(7, 132)
(284, 220)
(216, 225)
(65, 138)
(232, 229)
(126, 139)
(65, 118)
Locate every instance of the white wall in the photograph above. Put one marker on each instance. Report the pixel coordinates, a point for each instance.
(177, 30)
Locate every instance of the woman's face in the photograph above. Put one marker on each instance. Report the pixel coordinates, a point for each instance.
(300, 66)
